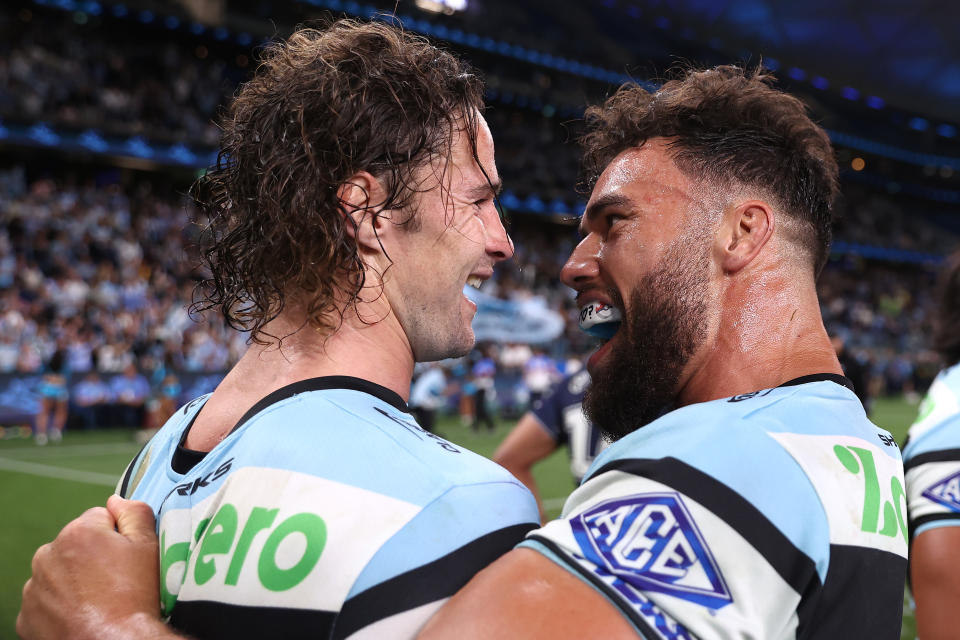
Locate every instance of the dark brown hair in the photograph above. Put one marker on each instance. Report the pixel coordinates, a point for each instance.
(730, 126)
(946, 324)
(322, 106)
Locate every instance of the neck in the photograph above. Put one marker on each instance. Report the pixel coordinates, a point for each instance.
(376, 350)
(769, 331)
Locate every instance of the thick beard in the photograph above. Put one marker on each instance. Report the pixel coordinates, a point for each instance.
(665, 326)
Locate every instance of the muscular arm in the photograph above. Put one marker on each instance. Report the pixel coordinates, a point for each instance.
(935, 581)
(523, 447)
(97, 580)
(525, 595)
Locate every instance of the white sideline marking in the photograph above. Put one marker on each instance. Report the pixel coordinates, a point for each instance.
(47, 471)
(68, 450)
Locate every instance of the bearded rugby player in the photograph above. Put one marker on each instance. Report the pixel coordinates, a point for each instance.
(931, 457)
(353, 201)
(746, 494)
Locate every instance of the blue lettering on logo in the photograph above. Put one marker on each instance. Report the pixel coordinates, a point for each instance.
(946, 492)
(650, 542)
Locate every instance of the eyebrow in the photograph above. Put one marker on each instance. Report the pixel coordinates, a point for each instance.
(485, 189)
(601, 203)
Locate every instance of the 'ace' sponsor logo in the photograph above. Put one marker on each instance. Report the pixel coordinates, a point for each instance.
(651, 542)
(946, 492)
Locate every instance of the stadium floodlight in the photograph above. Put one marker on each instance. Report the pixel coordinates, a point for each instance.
(850, 93)
(448, 7)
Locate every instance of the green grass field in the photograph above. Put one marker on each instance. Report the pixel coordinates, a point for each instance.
(44, 488)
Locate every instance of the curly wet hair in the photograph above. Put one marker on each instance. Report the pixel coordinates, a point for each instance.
(322, 106)
(731, 126)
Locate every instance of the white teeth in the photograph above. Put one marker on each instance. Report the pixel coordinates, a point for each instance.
(475, 281)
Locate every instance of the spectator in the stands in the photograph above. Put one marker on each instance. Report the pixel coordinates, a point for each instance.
(130, 392)
(90, 397)
(483, 373)
(164, 402)
(539, 374)
(428, 394)
(54, 395)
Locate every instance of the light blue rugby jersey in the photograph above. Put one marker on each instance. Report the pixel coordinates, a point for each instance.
(931, 457)
(773, 514)
(326, 513)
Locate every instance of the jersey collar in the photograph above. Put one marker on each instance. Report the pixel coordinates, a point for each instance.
(820, 377)
(185, 459)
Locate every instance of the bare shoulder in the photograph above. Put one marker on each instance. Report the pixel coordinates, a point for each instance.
(935, 556)
(524, 594)
(935, 581)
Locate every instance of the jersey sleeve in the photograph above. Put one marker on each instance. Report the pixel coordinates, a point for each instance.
(129, 480)
(433, 556)
(549, 411)
(678, 553)
(932, 473)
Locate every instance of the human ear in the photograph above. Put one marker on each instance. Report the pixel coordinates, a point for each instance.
(746, 228)
(361, 200)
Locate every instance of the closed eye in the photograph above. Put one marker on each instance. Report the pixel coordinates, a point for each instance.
(613, 218)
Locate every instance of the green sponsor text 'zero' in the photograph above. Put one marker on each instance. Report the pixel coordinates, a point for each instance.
(216, 536)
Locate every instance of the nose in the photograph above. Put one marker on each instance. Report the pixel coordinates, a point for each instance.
(581, 266)
(499, 246)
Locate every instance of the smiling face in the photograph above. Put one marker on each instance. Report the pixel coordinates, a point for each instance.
(457, 239)
(646, 252)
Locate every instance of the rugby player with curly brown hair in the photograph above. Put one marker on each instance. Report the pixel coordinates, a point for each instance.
(352, 202)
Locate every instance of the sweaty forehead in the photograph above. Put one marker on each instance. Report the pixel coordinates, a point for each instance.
(647, 173)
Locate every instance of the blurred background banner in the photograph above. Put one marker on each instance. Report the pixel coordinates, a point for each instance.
(530, 320)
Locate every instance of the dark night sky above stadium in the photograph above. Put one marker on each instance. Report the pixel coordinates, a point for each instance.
(908, 51)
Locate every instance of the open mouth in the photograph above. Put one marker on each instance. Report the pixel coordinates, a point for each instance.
(600, 320)
(471, 289)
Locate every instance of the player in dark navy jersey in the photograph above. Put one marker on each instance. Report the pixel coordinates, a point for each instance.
(554, 421)
(353, 202)
(931, 458)
(746, 494)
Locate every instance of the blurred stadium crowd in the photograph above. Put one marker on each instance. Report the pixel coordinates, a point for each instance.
(97, 263)
(106, 275)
